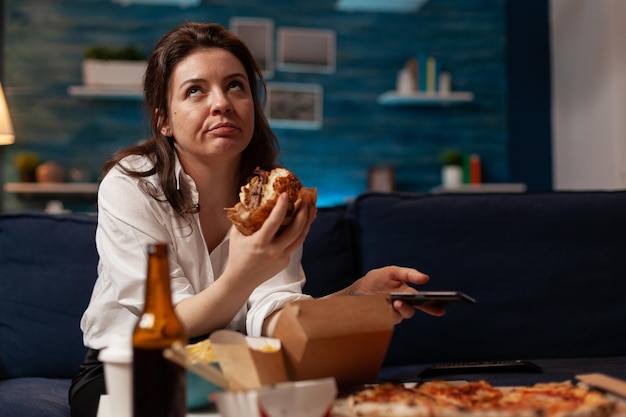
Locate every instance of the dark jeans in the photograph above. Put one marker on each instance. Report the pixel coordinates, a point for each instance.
(87, 386)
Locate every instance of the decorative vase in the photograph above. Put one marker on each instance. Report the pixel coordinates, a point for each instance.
(451, 176)
(49, 172)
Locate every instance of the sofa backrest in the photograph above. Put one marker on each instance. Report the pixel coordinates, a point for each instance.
(47, 270)
(48, 265)
(329, 258)
(548, 271)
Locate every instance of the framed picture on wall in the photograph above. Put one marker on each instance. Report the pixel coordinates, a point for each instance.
(306, 50)
(258, 35)
(296, 106)
(381, 179)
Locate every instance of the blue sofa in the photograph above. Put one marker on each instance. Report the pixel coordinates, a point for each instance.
(548, 271)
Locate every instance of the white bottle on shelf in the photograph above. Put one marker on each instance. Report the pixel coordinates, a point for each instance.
(405, 83)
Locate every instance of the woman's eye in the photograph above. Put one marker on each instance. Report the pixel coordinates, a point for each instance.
(235, 85)
(193, 91)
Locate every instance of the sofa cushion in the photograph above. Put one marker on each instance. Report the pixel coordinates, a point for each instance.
(34, 397)
(328, 258)
(547, 270)
(47, 270)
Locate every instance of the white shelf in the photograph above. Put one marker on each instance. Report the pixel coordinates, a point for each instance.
(110, 93)
(393, 98)
(482, 188)
(397, 6)
(179, 3)
(66, 188)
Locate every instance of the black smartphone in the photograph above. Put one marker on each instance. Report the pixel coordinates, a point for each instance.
(434, 297)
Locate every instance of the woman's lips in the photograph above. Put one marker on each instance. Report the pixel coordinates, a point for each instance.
(223, 128)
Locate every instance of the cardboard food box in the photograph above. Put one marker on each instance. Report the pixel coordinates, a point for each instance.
(342, 337)
(249, 362)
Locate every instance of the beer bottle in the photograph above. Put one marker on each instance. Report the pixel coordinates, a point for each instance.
(159, 385)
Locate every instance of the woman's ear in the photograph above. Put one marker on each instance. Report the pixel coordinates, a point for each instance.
(164, 126)
(166, 131)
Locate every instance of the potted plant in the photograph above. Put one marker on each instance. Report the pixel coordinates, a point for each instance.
(121, 68)
(26, 164)
(452, 170)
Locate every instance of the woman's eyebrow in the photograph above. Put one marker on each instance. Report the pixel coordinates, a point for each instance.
(191, 81)
(236, 75)
(198, 80)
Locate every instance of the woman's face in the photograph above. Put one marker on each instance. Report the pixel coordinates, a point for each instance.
(211, 110)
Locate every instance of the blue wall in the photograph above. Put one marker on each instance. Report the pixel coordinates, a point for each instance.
(45, 40)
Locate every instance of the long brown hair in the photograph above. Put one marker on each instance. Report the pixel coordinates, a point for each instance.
(172, 48)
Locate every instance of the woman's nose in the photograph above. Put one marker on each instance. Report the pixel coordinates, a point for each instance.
(219, 102)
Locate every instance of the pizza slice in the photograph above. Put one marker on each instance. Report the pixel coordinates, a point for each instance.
(388, 400)
(562, 399)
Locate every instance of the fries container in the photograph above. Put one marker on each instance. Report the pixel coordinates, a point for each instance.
(249, 362)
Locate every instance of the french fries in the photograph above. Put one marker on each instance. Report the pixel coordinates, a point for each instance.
(202, 351)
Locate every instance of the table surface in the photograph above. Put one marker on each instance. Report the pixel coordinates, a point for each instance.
(104, 410)
(554, 370)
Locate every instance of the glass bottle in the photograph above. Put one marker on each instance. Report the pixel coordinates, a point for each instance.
(159, 385)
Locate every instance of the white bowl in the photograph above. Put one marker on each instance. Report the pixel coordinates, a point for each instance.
(310, 398)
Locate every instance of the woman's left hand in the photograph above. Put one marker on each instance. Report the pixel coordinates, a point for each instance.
(396, 279)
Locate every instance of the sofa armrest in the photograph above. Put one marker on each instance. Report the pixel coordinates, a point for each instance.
(48, 267)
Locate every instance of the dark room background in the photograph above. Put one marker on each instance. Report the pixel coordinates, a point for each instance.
(496, 50)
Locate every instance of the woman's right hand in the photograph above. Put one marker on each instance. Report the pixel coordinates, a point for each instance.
(252, 260)
(256, 258)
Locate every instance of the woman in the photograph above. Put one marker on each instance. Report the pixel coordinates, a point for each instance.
(208, 135)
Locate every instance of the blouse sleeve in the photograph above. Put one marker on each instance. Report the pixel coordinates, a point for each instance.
(128, 220)
(274, 293)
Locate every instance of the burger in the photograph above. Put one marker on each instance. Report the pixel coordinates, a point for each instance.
(258, 197)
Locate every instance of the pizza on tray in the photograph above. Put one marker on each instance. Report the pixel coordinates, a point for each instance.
(474, 399)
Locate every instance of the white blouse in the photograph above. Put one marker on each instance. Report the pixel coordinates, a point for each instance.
(128, 220)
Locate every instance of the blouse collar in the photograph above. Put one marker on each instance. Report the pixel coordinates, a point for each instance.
(181, 175)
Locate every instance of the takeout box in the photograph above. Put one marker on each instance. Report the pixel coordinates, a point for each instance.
(249, 362)
(343, 337)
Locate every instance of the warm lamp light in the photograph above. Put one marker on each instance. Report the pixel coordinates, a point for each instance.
(6, 127)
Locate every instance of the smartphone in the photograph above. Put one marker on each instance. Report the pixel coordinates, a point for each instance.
(434, 297)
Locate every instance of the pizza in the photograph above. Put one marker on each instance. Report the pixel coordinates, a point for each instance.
(478, 398)
(388, 400)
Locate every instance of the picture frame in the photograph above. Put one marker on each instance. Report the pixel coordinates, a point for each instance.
(258, 35)
(381, 179)
(306, 50)
(294, 105)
